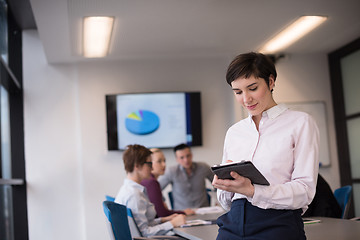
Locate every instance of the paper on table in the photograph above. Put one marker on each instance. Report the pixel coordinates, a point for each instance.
(310, 220)
(196, 222)
(207, 210)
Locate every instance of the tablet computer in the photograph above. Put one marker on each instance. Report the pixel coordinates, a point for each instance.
(243, 168)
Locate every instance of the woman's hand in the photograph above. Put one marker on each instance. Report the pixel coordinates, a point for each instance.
(178, 220)
(189, 211)
(170, 217)
(240, 184)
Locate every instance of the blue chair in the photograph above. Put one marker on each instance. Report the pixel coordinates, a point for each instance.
(122, 225)
(171, 198)
(343, 197)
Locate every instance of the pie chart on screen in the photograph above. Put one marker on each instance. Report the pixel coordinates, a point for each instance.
(142, 122)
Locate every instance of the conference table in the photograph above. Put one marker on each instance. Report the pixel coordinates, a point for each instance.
(326, 229)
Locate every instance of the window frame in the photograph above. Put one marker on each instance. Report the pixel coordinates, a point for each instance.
(11, 80)
(340, 116)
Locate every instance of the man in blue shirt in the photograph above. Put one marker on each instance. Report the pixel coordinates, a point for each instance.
(187, 180)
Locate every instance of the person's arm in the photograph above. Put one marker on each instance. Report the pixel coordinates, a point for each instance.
(149, 227)
(224, 197)
(165, 179)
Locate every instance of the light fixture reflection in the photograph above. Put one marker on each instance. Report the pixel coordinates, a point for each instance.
(292, 33)
(97, 33)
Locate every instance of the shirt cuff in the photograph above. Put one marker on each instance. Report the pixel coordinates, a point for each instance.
(167, 225)
(157, 220)
(258, 198)
(225, 199)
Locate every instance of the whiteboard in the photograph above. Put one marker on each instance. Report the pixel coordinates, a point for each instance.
(318, 111)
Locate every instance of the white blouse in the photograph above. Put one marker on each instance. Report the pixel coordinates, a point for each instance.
(286, 152)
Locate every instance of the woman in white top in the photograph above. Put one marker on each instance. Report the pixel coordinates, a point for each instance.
(137, 163)
(281, 143)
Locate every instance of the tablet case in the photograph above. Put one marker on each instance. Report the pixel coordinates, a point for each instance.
(243, 168)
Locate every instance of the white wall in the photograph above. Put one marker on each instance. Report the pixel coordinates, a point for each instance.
(53, 167)
(69, 169)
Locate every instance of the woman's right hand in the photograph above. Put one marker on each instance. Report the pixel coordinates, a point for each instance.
(189, 211)
(178, 220)
(239, 184)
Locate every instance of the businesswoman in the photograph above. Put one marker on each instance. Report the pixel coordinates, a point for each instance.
(153, 187)
(137, 163)
(281, 143)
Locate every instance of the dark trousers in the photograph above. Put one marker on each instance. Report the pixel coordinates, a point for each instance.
(245, 221)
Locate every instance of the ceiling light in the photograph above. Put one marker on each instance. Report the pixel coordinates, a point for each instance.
(97, 34)
(292, 33)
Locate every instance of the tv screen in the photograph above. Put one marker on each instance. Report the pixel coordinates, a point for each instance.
(161, 120)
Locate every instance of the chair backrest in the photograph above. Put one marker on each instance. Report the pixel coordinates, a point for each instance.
(117, 216)
(171, 198)
(343, 197)
(109, 198)
(208, 195)
(134, 229)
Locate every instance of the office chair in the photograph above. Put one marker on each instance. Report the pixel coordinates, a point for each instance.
(343, 197)
(121, 223)
(171, 199)
(117, 217)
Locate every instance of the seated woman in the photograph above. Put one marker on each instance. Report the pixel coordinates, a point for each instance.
(153, 187)
(137, 163)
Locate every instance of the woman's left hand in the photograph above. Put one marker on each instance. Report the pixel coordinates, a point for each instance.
(240, 184)
(169, 218)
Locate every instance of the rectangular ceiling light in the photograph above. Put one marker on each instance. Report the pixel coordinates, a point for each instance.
(292, 33)
(97, 34)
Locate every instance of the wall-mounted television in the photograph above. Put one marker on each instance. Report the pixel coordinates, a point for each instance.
(161, 119)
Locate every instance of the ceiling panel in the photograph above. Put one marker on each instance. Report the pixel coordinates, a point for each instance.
(187, 28)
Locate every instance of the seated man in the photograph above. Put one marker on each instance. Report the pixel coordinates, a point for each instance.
(324, 203)
(187, 179)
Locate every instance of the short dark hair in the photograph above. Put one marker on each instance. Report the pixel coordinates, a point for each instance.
(250, 64)
(135, 155)
(181, 147)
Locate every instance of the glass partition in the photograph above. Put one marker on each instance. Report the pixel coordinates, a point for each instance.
(353, 127)
(356, 200)
(3, 31)
(5, 134)
(350, 74)
(6, 213)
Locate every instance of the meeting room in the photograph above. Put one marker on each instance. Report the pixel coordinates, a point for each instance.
(173, 115)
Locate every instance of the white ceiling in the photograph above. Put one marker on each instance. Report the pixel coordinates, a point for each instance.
(191, 28)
